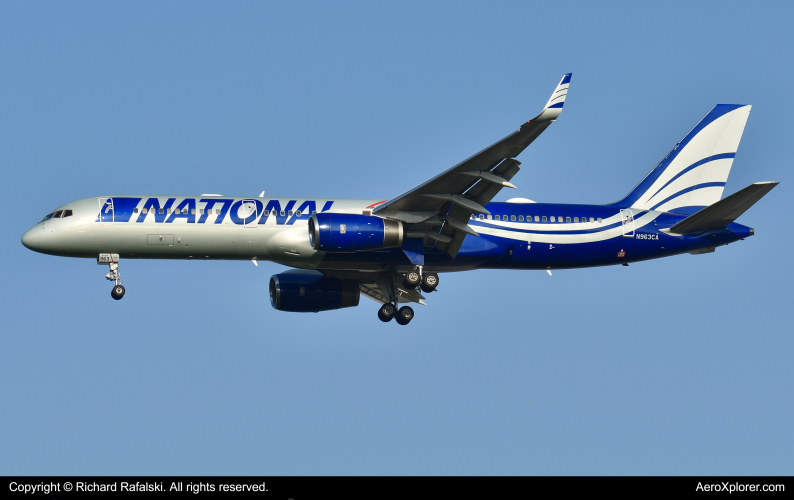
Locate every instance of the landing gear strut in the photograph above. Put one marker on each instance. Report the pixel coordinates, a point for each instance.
(112, 260)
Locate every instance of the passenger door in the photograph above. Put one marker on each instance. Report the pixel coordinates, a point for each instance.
(627, 218)
(249, 209)
(107, 215)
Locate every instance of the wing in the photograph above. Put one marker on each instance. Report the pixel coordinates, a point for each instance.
(439, 209)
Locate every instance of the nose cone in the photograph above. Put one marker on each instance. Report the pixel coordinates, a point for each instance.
(34, 238)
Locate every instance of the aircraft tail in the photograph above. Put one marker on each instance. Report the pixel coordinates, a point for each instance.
(693, 174)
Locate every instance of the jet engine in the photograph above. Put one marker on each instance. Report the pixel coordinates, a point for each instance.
(310, 291)
(349, 233)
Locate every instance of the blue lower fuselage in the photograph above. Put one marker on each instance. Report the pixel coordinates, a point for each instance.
(554, 236)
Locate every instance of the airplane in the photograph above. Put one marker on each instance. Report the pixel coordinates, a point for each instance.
(393, 251)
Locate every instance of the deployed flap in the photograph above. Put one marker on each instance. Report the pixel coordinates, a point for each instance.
(725, 211)
(429, 198)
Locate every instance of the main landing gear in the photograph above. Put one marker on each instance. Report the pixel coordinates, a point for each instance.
(112, 260)
(427, 281)
(411, 280)
(403, 316)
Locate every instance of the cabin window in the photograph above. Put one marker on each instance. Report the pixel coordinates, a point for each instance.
(290, 213)
(193, 211)
(599, 220)
(67, 213)
(496, 217)
(298, 213)
(551, 218)
(537, 219)
(201, 211)
(169, 210)
(544, 218)
(217, 211)
(482, 217)
(592, 220)
(144, 211)
(489, 217)
(567, 219)
(512, 217)
(521, 218)
(314, 212)
(135, 210)
(576, 219)
(282, 213)
(161, 210)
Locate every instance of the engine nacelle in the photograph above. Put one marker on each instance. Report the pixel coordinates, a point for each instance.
(310, 291)
(348, 233)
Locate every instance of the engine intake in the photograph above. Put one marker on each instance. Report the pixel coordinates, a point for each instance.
(310, 291)
(348, 233)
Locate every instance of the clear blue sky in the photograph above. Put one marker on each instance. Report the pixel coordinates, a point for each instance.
(676, 366)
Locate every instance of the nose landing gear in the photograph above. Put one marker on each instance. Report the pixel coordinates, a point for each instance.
(112, 260)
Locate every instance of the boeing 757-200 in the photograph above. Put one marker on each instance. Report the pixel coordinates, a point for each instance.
(393, 251)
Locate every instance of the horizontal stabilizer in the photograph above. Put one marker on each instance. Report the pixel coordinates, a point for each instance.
(723, 212)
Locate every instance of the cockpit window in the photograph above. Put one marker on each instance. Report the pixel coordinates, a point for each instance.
(58, 214)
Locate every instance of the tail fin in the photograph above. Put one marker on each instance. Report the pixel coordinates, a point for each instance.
(693, 174)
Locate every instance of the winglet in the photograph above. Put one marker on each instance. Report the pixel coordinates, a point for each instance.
(553, 108)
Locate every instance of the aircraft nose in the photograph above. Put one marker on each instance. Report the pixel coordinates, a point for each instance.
(33, 238)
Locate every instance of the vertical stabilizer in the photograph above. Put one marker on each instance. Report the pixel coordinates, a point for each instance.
(693, 174)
